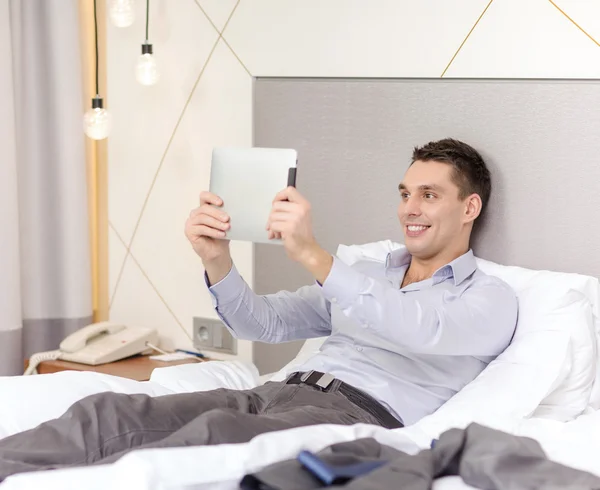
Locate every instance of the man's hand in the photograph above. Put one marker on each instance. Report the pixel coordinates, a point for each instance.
(291, 221)
(205, 229)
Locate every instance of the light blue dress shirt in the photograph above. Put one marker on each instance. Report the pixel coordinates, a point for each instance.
(410, 348)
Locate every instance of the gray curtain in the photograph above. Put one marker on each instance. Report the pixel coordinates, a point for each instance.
(45, 269)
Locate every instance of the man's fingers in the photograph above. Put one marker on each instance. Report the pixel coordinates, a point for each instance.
(282, 195)
(210, 198)
(274, 236)
(290, 194)
(284, 206)
(278, 226)
(196, 211)
(209, 210)
(198, 231)
(205, 219)
(279, 216)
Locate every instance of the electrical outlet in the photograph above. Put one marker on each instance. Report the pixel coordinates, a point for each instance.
(211, 334)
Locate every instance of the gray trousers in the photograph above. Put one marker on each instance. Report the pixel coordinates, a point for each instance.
(102, 427)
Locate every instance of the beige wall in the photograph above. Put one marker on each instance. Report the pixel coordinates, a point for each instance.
(209, 50)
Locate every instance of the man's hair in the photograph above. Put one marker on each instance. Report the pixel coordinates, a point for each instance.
(469, 171)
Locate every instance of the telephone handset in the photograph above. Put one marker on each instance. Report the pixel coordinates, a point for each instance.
(78, 340)
(99, 343)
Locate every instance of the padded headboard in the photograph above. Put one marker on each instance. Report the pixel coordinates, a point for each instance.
(540, 138)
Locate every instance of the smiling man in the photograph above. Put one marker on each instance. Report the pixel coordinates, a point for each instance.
(404, 335)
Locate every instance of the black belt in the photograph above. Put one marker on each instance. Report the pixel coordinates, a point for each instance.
(325, 382)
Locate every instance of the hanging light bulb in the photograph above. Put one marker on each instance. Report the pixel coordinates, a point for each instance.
(122, 13)
(146, 71)
(97, 121)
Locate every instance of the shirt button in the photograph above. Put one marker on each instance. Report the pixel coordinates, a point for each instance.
(334, 300)
(359, 348)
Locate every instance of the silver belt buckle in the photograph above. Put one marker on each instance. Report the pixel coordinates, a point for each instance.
(325, 381)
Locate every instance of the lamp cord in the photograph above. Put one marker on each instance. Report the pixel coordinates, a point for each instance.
(147, 17)
(96, 35)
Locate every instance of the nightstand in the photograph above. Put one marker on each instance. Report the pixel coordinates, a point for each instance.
(138, 368)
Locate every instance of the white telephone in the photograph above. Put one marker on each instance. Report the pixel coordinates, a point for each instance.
(99, 343)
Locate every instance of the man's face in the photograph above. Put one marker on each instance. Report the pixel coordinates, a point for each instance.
(431, 214)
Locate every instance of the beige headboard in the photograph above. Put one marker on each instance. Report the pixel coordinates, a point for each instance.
(540, 138)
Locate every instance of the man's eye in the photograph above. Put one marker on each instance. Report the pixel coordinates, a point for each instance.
(404, 195)
(429, 195)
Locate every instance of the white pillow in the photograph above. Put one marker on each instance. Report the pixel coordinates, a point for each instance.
(571, 395)
(565, 302)
(529, 372)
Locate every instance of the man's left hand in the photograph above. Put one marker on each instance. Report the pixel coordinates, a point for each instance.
(291, 221)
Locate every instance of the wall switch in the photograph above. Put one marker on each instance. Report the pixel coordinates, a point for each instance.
(212, 334)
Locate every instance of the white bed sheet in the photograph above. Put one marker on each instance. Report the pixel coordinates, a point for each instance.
(576, 443)
(221, 467)
(27, 401)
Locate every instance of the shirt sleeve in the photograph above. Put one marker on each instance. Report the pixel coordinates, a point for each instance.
(480, 321)
(272, 318)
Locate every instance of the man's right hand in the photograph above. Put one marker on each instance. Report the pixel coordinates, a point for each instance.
(205, 229)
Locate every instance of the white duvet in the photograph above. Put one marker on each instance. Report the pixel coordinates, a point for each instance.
(27, 401)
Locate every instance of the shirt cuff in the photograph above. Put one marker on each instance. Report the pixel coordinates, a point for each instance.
(227, 289)
(343, 285)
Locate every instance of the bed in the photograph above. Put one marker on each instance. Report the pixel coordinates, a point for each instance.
(545, 385)
(549, 393)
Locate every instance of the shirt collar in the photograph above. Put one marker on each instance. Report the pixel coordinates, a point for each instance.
(459, 269)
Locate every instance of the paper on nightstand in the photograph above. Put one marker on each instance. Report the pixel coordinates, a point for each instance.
(173, 356)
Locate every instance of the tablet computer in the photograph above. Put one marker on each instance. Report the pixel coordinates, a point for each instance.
(248, 179)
